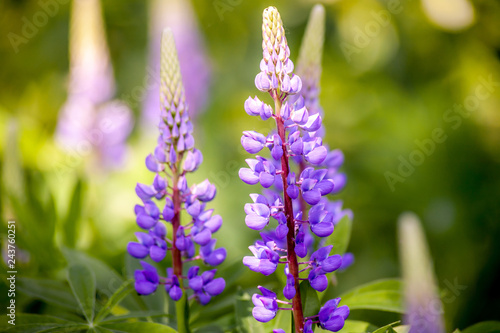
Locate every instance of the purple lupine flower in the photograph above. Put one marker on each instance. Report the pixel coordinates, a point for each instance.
(265, 305)
(163, 200)
(194, 62)
(332, 317)
(297, 139)
(265, 259)
(146, 280)
(90, 117)
(204, 285)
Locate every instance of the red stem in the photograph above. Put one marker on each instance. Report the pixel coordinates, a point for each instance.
(176, 222)
(298, 315)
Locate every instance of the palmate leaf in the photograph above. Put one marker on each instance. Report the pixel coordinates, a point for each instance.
(26, 323)
(108, 281)
(50, 291)
(383, 295)
(138, 327)
(125, 289)
(82, 282)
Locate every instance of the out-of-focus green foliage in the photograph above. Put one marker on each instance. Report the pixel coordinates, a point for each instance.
(394, 73)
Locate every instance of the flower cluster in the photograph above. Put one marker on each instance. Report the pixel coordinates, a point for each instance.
(297, 177)
(173, 158)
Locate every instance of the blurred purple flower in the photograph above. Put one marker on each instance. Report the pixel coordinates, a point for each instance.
(195, 67)
(90, 116)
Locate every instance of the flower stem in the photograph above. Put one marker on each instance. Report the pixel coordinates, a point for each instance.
(298, 315)
(181, 306)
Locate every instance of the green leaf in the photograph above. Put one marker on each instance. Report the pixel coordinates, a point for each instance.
(310, 300)
(351, 326)
(383, 295)
(341, 236)
(50, 291)
(70, 224)
(402, 329)
(139, 327)
(282, 320)
(386, 328)
(136, 315)
(484, 327)
(40, 323)
(245, 322)
(82, 282)
(125, 289)
(108, 281)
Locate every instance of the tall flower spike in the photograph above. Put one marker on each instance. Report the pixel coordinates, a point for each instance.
(284, 203)
(309, 61)
(423, 306)
(195, 68)
(90, 116)
(163, 201)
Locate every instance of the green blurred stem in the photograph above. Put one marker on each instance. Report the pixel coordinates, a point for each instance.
(182, 312)
(298, 315)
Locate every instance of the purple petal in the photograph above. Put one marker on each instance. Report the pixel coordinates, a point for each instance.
(248, 176)
(325, 186)
(266, 179)
(157, 253)
(145, 287)
(263, 266)
(312, 197)
(153, 165)
(216, 257)
(256, 222)
(250, 145)
(214, 223)
(203, 237)
(317, 155)
(319, 283)
(331, 263)
(196, 283)
(215, 287)
(144, 192)
(262, 314)
(175, 293)
(145, 221)
(137, 250)
(322, 229)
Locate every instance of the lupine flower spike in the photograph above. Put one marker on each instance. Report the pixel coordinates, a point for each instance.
(423, 306)
(90, 117)
(169, 194)
(293, 202)
(179, 15)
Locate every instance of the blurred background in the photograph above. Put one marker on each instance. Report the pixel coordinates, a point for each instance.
(410, 90)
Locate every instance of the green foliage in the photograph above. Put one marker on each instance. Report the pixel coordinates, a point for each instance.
(310, 300)
(70, 223)
(341, 236)
(383, 295)
(483, 327)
